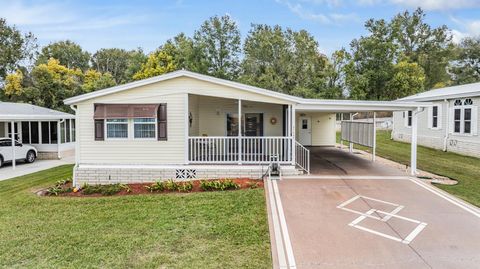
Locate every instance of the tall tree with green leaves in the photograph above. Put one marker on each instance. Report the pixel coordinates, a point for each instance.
(374, 57)
(47, 85)
(218, 46)
(408, 79)
(68, 53)
(286, 61)
(431, 48)
(16, 49)
(158, 63)
(466, 66)
(120, 63)
(94, 80)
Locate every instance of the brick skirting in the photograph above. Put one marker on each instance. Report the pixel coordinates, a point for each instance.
(109, 175)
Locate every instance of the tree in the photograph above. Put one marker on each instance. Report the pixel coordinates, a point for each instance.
(286, 61)
(47, 85)
(94, 80)
(466, 67)
(431, 48)
(118, 62)
(68, 53)
(408, 79)
(218, 45)
(374, 57)
(15, 48)
(158, 63)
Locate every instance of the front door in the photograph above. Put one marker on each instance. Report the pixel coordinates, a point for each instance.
(305, 131)
(253, 124)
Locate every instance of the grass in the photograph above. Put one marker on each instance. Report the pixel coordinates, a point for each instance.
(198, 230)
(464, 169)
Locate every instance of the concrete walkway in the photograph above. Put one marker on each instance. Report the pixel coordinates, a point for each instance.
(22, 168)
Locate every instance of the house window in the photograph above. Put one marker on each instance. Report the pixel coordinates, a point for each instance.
(409, 118)
(435, 117)
(144, 128)
(457, 119)
(45, 132)
(117, 128)
(34, 135)
(26, 132)
(462, 116)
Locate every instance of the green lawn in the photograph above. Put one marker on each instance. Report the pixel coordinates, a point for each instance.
(202, 230)
(462, 168)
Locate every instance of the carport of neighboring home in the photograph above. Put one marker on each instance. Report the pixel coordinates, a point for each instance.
(50, 131)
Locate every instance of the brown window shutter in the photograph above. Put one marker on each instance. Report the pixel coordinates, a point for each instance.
(162, 122)
(99, 131)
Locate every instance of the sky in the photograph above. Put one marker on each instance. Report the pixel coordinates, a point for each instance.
(148, 24)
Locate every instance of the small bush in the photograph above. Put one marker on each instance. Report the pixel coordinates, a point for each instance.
(216, 185)
(103, 189)
(185, 186)
(171, 185)
(253, 184)
(59, 187)
(157, 186)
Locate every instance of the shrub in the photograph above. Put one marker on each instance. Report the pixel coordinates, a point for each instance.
(103, 189)
(185, 186)
(215, 185)
(253, 184)
(59, 187)
(157, 186)
(171, 185)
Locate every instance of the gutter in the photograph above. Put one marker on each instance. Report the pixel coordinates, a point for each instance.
(74, 181)
(447, 124)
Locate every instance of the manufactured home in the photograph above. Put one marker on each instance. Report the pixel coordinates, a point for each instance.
(184, 125)
(450, 124)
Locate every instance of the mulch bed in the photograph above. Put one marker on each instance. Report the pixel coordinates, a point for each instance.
(140, 188)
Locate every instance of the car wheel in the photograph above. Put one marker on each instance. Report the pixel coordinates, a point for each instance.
(30, 156)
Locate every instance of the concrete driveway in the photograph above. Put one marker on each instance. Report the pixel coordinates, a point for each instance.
(22, 168)
(388, 221)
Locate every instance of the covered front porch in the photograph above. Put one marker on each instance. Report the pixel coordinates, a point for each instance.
(264, 132)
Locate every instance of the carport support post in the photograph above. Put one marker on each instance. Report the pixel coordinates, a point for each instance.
(413, 154)
(13, 145)
(374, 136)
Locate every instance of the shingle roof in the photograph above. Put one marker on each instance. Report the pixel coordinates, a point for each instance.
(22, 111)
(466, 90)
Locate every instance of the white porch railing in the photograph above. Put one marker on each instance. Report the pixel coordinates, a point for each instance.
(302, 157)
(230, 149)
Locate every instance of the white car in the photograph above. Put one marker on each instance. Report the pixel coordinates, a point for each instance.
(22, 151)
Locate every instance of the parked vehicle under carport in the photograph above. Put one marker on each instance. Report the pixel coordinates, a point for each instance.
(22, 151)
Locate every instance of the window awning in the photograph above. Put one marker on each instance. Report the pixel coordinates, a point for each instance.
(122, 111)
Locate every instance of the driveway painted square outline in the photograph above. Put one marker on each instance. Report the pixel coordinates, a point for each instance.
(388, 215)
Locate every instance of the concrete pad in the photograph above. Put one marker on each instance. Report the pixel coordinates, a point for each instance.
(334, 161)
(322, 238)
(22, 168)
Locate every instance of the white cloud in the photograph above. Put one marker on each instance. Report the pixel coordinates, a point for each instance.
(467, 28)
(330, 18)
(438, 4)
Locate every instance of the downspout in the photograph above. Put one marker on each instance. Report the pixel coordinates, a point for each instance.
(74, 181)
(447, 124)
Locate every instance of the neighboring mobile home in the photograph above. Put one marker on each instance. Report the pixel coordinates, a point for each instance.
(51, 132)
(186, 125)
(451, 124)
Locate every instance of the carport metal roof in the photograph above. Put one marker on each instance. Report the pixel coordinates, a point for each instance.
(21, 111)
(357, 106)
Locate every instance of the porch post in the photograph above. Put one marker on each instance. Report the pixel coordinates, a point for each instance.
(13, 144)
(239, 131)
(293, 121)
(187, 130)
(59, 140)
(374, 136)
(413, 153)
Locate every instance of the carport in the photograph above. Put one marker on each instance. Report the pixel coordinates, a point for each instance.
(50, 131)
(358, 132)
